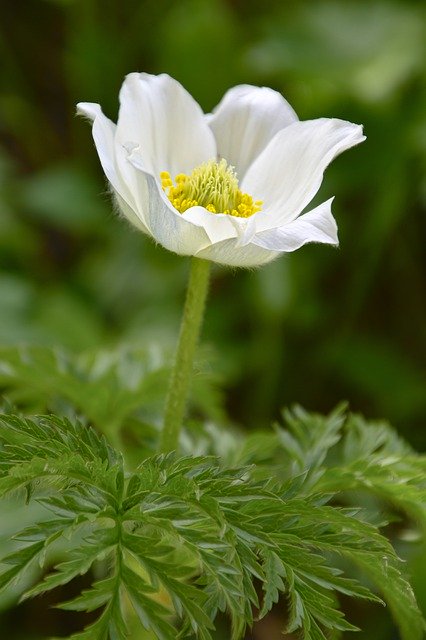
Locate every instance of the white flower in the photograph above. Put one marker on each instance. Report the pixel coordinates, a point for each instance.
(230, 186)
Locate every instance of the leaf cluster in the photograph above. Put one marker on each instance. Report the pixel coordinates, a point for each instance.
(341, 454)
(113, 389)
(181, 539)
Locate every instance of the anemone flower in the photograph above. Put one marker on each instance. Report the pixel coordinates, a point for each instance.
(231, 186)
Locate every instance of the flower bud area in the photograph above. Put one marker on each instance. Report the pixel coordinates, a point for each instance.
(213, 185)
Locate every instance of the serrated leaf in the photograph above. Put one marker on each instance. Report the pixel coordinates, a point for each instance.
(151, 613)
(91, 599)
(20, 561)
(274, 584)
(397, 592)
(98, 546)
(186, 537)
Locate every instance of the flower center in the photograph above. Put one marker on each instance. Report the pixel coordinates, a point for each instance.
(213, 185)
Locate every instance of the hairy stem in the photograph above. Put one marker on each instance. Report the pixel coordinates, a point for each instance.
(182, 370)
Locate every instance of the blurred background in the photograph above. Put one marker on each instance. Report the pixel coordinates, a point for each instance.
(314, 327)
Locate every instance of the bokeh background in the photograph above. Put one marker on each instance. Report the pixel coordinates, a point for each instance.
(314, 327)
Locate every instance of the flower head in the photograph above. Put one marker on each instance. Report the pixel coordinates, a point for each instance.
(230, 186)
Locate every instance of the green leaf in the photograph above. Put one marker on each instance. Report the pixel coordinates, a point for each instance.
(98, 546)
(375, 459)
(20, 561)
(182, 538)
(274, 585)
(107, 387)
(340, 454)
(151, 613)
(397, 592)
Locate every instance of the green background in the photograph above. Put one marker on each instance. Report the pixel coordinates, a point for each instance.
(314, 327)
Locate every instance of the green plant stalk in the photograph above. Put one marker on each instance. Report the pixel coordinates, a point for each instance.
(183, 366)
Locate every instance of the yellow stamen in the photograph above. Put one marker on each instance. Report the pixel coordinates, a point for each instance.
(213, 185)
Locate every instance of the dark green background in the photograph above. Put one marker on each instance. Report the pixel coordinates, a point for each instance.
(314, 327)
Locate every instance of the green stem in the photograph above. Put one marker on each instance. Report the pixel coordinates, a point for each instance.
(182, 370)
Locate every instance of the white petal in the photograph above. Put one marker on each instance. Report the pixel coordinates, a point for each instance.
(317, 225)
(245, 120)
(160, 116)
(218, 226)
(114, 163)
(168, 227)
(289, 172)
(221, 226)
(231, 254)
(133, 215)
(103, 132)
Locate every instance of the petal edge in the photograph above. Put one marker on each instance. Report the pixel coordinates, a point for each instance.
(317, 225)
(245, 120)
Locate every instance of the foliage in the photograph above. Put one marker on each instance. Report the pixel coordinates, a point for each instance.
(71, 274)
(316, 327)
(107, 387)
(182, 538)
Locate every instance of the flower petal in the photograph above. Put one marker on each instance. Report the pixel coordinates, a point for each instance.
(161, 128)
(114, 163)
(168, 227)
(245, 120)
(103, 132)
(229, 253)
(289, 172)
(317, 225)
(160, 116)
(218, 226)
(133, 215)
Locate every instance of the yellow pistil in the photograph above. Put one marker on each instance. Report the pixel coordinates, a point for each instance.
(213, 185)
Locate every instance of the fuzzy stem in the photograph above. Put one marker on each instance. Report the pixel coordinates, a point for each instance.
(182, 370)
